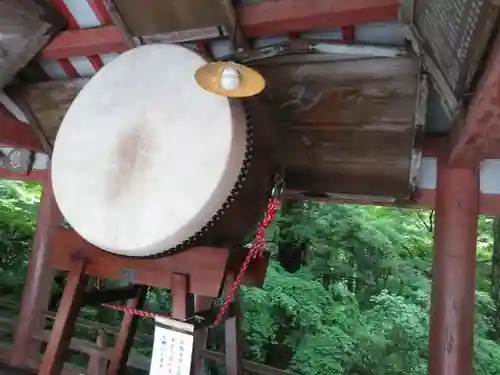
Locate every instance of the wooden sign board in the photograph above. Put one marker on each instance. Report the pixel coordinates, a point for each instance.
(26, 26)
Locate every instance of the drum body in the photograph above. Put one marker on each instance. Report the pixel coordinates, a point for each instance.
(147, 163)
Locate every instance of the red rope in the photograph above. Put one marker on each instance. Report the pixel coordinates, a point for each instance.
(256, 251)
(131, 310)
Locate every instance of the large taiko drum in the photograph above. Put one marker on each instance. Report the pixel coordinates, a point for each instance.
(147, 163)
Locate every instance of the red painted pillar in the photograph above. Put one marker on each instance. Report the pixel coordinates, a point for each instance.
(453, 286)
(39, 278)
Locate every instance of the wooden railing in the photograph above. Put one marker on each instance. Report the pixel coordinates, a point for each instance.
(99, 353)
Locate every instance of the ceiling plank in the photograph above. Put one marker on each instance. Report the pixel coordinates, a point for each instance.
(477, 135)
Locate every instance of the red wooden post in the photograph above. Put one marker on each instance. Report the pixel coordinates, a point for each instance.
(452, 307)
(233, 342)
(201, 303)
(39, 278)
(57, 347)
(97, 364)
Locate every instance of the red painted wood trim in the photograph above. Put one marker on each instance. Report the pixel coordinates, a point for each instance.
(489, 204)
(348, 34)
(275, 17)
(86, 42)
(39, 175)
(68, 68)
(269, 17)
(96, 62)
(100, 11)
(15, 133)
(480, 134)
(61, 7)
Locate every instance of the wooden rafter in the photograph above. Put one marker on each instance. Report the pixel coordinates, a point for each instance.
(86, 42)
(478, 135)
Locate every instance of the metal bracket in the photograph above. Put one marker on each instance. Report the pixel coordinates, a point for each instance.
(206, 318)
(18, 160)
(128, 275)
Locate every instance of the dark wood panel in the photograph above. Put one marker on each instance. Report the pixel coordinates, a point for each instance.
(49, 101)
(26, 26)
(328, 101)
(347, 126)
(383, 180)
(309, 66)
(148, 17)
(337, 146)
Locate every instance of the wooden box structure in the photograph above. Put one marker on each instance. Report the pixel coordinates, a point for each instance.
(348, 127)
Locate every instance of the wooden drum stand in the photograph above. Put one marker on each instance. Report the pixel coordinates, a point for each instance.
(200, 271)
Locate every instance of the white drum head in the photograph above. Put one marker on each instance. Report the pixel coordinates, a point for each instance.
(144, 157)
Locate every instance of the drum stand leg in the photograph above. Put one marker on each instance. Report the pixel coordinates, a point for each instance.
(126, 335)
(232, 331)
(74, 298)
(67, 314)
(201, 303)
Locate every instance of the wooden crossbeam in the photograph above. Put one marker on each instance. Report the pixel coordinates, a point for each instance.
(478, 135)
(85, 42)
(267, 18)
(98, 297)
(15, 133)
(264, 18)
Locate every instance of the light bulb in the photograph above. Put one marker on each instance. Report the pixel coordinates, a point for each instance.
(230, 79)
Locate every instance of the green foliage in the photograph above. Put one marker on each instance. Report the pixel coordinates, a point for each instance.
(18, 206)
(358, 306)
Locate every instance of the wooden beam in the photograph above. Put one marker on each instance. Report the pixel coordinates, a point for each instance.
(85, 42)
(265, 18)
(39, 175)
(284, 16)
(489, 204)
(15, 133)
(478, 134)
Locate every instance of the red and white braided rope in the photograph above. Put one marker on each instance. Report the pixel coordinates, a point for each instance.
(256, 251)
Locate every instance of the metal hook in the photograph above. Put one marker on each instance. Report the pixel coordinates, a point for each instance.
(278, 184)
